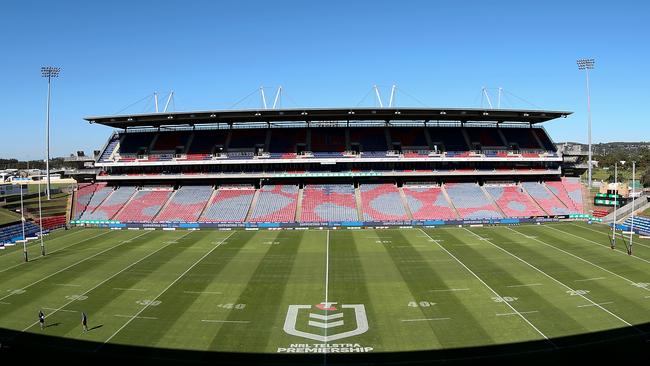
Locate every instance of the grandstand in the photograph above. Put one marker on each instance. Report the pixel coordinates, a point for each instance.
(328, 166)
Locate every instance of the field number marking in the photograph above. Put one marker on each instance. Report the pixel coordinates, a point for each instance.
(505, 299)
(231, 306)
(149, 302)
(420, 304)
(77, 297)
(16, 292)
(577, 292)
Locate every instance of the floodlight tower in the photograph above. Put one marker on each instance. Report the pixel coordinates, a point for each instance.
(48, 72)
(587, 64)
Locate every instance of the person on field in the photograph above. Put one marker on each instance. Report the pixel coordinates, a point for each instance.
(41, 319)
(84, 321)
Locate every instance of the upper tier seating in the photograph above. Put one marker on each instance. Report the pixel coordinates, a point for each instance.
(523, 137)
(111, 205)
(428, 203)
(409, 138)
(470, 201)
(144, 206)
(514, 202)
(448, 139)
(486, 137)
(228, 205)
(327, 140)
(382, 202)
(329, 202)
(170, 140)
(276, 203)
(369, 139)
(186, 204)
(284, 140)
(205, 141)
(545, 139)
(134, 142)
(545, 199)
(110, 147)
(246, 138)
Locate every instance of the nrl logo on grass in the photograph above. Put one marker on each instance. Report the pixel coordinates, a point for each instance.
(326, 322)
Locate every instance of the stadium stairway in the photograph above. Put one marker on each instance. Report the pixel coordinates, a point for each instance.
(164, 206)
(207, 203)
(492, 200)
(125, 205)
(357, 199)
(251, 209)
(299, 206)
(405, 203)
(446, 195)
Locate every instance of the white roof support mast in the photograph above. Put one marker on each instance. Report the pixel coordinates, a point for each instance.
(155, 100)
(169, 98)
(277, 97)
(487, 97)
(381, 105)
(263, 97)
(392, 96)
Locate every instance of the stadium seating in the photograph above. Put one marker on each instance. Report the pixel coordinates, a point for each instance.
(545, 199)
(133, 142)
(275, 203)
(51, 222)
(228, 205)
(470, 201)
(111, 205)
(409, 138)
(382, 202)
(186, 204)
(95, 199)
(574, 189)
(486, 137)
(523, 137)
(329, 202)
(247, 138)
(448, 139)
(641, 224)
(285, 140)
(544, 138)
(369, 139)
(204, 142)
(169, 141)
(514, 202)
(428, 203)
(327, 140)
(110, 147)
(83, 196)
(144, 206)
(12, 233)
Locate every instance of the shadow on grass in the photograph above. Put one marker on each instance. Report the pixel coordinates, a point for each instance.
(625, 346)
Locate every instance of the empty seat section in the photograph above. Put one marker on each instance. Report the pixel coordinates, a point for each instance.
(640, 224)
(523, 137)
(408, 137)
(486, 137)
(247, 138)
(82, 198)
(87, 203)
(545, 139)
(574, 189)
(186, 204)
(428, 203)
(276, 203)
(329, 202)
(514, 202)
(133, 142)
(144, 206)
(111, 205)
(327, 140)
(204, 141)
(382, 202)
(470, 201)
(451, 138)
(11, 233)
(169, 141)
(545, 199)
(228, 205)
(284, 140)
(369, 139)
(110, 147)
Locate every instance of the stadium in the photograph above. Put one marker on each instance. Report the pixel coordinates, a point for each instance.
(329, 235)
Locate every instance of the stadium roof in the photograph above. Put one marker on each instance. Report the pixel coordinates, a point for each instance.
(326, 114)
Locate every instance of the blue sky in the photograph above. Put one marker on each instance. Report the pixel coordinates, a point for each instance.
(327, 53)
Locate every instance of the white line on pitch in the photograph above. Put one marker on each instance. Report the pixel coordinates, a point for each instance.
(590, 279)
(67, 284)
(450, 289)
(203, 292)
(225, 321)
(521, 312)
(64, 310)
(137, 317)
(4, 303)
(528, 285)
(424, 320)
(129, 289)
(600, 303)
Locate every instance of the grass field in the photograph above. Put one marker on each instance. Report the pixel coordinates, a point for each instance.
(232, 291)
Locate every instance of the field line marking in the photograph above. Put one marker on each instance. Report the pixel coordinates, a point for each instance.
(54, 251)
(225, 321)
(129, 289)
(203, 292)
(55, 310)
(600, 303)
(165, 290)
(67, 284)
(590, 279)
(527, 285)
(522, 312)
(139, 317)
(492, 290)
(70, 266)
(424, 319)
(589, 240)
(327, 270)
(607, 234)
(107, 279)
(563, 284)
(449, 289)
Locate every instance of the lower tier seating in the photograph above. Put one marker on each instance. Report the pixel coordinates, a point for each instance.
(186, 204)
(382, 202)
(545, 199)
(228, 205)
(428, 203)
(470, 201)
(329, 202)
(514, 202)
(276, 203)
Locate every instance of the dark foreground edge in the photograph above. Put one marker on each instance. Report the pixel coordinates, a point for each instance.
(625, 346)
